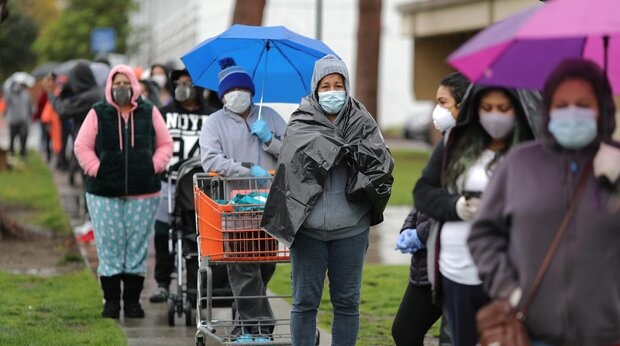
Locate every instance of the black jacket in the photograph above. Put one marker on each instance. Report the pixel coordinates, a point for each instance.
(430, 195)
(418, 274)
(78, 95)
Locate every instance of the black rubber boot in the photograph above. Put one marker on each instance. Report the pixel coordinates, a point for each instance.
(111, 286)
(132, 287)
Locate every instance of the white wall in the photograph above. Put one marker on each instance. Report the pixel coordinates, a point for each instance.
(173, 27)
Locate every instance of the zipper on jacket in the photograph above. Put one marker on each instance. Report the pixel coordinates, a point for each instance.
(126, 158)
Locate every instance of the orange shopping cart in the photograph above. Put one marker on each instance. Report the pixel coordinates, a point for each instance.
(228, 215)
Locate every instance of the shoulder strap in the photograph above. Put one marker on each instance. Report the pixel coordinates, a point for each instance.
(556, 241)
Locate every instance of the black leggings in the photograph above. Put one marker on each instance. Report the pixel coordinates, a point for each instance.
(416, 315)
(462, 303)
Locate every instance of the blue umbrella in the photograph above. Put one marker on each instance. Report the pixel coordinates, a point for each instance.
(279, 61)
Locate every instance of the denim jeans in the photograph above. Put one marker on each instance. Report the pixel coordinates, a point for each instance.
(342, 260)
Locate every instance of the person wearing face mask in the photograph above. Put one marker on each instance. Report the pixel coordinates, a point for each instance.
(491, 121)
(19, 109)
(449, 96)
(236, 141)
(333, 182)
(184, 117)
(122, 147)
(159, 75)
(578, 300)
(417, 311)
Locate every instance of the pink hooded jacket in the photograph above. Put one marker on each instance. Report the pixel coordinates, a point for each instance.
(84, 146)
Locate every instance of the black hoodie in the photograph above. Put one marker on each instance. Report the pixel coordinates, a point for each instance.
(78, 95)
(429, 195)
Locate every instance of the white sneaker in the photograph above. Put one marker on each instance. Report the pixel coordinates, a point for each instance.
(83, 228)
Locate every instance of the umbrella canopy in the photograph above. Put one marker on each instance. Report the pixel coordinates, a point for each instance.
(100, 71)
(64, 68)
(44, 69)
(523, 49)
(20, 77)
(279, 61)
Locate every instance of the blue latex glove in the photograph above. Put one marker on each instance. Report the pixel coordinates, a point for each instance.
(408, 241)
(261, 130)
(258, 171)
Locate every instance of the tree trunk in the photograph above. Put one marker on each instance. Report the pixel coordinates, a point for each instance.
(249, 12)
(368, 44)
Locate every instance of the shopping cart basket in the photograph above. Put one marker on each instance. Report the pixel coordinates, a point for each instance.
(228, 215)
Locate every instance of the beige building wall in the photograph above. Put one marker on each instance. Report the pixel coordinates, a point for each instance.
(439, 27)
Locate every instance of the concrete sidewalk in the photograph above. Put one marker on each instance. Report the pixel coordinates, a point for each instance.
(153, 330)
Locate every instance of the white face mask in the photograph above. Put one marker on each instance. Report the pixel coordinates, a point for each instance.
(443, 119)
(498, 125)
(237, 101)
(159, 79)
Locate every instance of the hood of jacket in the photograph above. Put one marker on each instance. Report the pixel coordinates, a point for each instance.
(526, 105)
(591, 73)
(135, 86)
(79, 79)
(327, 65)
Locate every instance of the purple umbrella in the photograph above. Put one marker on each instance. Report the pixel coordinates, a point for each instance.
(523, 49)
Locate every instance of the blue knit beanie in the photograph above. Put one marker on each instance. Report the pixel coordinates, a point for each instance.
(232, 76)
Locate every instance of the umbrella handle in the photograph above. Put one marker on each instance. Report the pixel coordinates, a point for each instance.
(262, 89)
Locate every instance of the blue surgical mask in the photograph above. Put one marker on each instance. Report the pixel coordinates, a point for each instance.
(332, 101)
(573, 127)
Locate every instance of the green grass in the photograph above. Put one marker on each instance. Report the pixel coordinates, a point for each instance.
(408, 165)
(33, 188)
(62, 310)
(382, 289)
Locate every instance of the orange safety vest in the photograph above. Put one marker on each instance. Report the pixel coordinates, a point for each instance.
(49, 116)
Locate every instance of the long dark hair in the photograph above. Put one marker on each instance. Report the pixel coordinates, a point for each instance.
(457, 84)
(470, 140)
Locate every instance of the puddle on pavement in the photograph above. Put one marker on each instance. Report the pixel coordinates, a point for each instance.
(383, 238)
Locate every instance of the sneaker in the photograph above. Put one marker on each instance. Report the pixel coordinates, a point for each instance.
(160, 296)
(261, 338)
(244, 338)
(87, 237)
(83, 228)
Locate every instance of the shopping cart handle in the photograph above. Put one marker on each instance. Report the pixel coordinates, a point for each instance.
(271, 172)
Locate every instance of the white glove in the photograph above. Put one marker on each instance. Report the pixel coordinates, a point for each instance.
(607, 162)
(467, 208)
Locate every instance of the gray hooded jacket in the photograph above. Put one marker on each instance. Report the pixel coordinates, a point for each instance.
(578, 302)
(333, 178)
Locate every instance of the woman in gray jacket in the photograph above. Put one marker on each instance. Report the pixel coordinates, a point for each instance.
(578, 302)
(333, 181)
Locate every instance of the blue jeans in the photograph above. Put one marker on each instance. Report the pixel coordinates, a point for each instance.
(343, 260)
